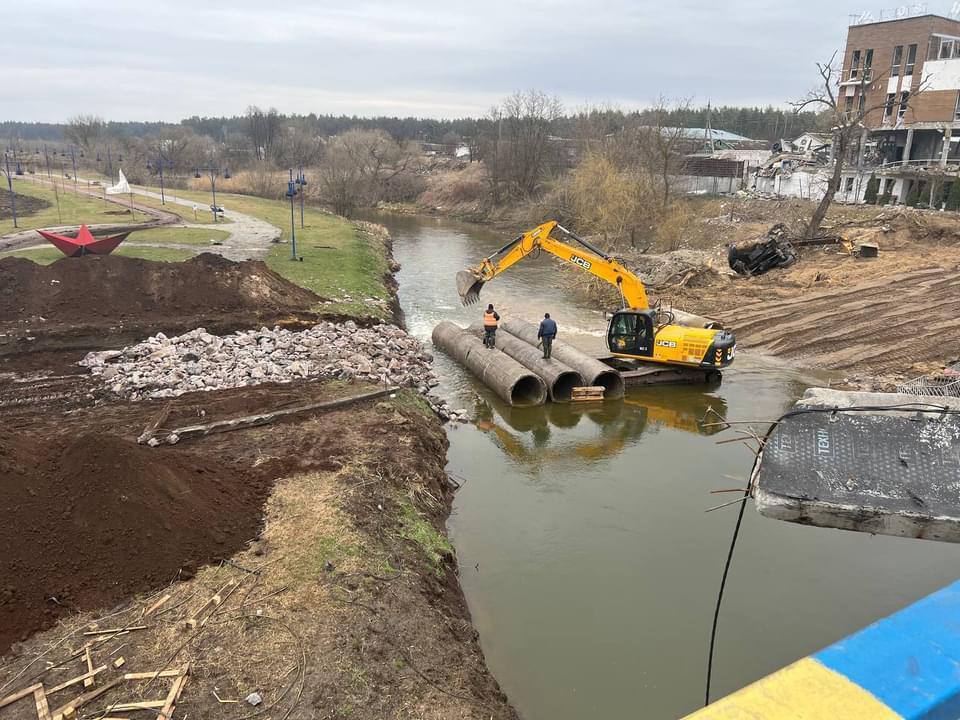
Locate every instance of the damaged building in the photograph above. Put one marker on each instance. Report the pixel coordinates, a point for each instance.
(904, 74)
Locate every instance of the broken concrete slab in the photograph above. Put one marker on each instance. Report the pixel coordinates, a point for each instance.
(881, 463)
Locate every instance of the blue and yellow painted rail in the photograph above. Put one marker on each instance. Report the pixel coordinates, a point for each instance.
(906, 666)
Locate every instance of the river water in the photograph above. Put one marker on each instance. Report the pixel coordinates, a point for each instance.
(587, 560)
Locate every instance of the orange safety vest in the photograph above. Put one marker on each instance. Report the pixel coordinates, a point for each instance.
(489, 319)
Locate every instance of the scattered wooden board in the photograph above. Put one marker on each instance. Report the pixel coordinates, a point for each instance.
(81, 700)
(20, 694)
(152, 675)
(153, 608)
(116, 631)
(590, 392)
(173, 696)
(249, 421)
(74, 681)
(43, 709)
(137, 705)
(89, 680)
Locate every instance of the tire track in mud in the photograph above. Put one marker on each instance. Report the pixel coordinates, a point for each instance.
(879, 326)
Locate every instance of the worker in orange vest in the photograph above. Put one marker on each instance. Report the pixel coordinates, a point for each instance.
(490, 320)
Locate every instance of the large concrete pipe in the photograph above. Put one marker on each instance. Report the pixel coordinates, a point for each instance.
(559, 378)
(505, 376)
(592, 370)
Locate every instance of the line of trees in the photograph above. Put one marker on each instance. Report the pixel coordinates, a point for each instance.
(767, 123)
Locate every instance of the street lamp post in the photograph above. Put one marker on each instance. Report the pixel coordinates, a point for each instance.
(73, 157)
(302, 182)
(214, 173)
(13, 197)
(292, 193)
(158, 165)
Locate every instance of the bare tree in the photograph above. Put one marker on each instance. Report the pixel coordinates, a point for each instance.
(517, 147)
(660, 145)
(846, 123)
(84, 131)
(263, 129)
(297, 146)
(359, 167)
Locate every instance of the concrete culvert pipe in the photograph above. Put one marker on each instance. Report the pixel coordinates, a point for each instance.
(505, 376)
(591, 370)
(559, 378)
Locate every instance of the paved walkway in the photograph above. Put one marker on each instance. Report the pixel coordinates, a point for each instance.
(249, 237)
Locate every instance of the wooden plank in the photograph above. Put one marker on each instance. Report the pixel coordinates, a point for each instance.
(592, 392)
(88, 681)
(152, 675)
(74, 681)
(116, 631)
(141, 705)
(249, 421)
(173, 696)
(20, 694)
(153, 608)
(43, 709)
(81, 700)
(213, 601)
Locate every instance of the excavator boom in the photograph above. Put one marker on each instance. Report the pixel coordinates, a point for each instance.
(587, 257)
(637, 331)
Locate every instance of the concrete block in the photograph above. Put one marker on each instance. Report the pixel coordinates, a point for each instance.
(884, 463)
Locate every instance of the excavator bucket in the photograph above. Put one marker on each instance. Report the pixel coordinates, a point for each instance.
(468, 285)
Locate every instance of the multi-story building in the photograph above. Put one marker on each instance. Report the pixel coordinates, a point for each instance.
(905, 76)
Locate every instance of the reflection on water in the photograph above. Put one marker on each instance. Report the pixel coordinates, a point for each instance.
(586, 557)
(525, 433)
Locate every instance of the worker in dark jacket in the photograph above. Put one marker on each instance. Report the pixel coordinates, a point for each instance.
(546, 334)
(490, 321)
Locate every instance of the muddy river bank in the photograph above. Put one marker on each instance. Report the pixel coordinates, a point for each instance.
(588, 562)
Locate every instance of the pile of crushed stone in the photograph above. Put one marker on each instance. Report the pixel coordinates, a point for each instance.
(163, 366)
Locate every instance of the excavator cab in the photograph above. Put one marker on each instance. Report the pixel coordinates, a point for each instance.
(631, 332)
(650, 334)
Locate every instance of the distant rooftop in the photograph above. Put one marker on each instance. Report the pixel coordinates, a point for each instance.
(869, 19)
(694, 133)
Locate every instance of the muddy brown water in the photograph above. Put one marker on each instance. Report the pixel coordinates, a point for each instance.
(589, 565)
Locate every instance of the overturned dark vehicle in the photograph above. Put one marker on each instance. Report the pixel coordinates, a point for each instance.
(757, 258)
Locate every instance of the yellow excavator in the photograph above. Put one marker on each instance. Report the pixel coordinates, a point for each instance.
(637, 331)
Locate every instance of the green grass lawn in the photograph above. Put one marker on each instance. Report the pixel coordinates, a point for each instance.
(47, 255)
(74, 209)
(203, 215)
(339, 261)
(177, 236)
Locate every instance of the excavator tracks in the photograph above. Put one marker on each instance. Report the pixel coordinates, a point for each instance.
(878, 326)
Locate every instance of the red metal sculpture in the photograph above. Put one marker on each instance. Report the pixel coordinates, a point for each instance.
(84, 243)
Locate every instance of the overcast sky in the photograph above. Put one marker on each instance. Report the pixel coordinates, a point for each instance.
(169, 59)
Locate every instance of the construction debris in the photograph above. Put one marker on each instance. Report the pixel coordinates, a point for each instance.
(775, 251)
(199, 361)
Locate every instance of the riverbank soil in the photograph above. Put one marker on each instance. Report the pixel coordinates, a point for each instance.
(301, 564)
(95, 302)
(876, 320)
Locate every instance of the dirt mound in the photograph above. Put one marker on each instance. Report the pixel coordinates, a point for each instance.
(114, 287)
(93, 518)
(26, 205)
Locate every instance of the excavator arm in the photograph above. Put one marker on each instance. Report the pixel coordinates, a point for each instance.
(587, 257)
